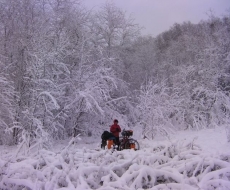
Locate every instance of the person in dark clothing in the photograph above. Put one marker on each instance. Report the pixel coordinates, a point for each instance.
(115, 130)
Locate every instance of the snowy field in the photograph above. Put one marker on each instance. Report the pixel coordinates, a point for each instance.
(188, 161)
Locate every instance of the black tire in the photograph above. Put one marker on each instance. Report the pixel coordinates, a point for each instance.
(121, 145)
(103, 144)
(129, 142)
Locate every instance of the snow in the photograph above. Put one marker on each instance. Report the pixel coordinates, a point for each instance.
(210, 140)
(189, 160)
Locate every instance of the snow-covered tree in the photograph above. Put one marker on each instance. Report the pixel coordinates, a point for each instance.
(160, 110)
(113, 29)
(7, 110)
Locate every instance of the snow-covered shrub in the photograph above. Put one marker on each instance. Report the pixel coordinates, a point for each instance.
(156, 108)
(178, 165)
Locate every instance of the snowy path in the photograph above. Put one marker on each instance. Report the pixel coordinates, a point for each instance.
(192, 160)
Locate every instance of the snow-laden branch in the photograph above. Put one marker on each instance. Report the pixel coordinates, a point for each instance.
(45, 93)
(176, 165)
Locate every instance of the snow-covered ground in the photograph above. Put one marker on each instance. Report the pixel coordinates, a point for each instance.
(188, 160)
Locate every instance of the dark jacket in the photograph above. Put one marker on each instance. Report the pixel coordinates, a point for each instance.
(115, 129)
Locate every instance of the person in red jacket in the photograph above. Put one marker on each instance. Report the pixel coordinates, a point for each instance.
(115, 130)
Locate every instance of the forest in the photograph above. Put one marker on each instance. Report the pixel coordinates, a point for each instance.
(66, 70)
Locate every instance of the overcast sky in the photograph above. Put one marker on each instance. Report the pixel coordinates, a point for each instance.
(157, 16)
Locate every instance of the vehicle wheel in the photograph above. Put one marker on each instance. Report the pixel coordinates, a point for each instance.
(103, 144)
(120, 147)
(130, 143)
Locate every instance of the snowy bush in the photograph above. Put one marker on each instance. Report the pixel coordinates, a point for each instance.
(176, 165)
(156, 109)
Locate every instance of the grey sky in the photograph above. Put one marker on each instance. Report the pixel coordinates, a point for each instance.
(157, 16)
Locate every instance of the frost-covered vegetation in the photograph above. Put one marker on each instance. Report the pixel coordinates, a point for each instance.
(183, 163)
(67, 71)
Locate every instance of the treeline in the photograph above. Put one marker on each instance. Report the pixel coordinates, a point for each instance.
(188, 77)
(66, 70)
(60, 69)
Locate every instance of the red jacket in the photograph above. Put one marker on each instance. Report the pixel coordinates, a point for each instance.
(115, 129)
